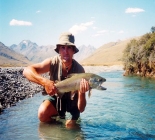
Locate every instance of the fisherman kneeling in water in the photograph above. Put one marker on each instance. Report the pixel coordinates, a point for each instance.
(59, 67)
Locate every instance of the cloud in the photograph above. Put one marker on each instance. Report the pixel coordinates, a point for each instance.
(94, 27)
(100, 33)
(15, 22)
(97, 35)
(121, 32)
(75, 29)
(38, 11)
(134, 10)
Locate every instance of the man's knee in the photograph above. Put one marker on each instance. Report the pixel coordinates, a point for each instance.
(46, 111)
(42, 113)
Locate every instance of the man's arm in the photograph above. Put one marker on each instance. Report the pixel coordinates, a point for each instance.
(33, 72)
(84, 87)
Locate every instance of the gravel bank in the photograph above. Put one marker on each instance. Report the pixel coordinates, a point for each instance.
(15, 87)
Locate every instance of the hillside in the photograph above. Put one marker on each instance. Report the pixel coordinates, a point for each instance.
(10, 58)
(108, 54)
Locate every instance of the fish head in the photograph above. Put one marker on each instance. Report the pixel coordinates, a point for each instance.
(96, 81)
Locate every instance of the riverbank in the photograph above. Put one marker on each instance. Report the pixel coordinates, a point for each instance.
(14, 87)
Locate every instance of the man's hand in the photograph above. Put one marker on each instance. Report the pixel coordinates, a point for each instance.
(84, 86)
(50, 87)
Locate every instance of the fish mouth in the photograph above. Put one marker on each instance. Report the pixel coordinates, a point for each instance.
(101, 81)
(101, 87)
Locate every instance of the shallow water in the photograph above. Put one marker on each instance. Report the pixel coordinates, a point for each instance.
(126, 110)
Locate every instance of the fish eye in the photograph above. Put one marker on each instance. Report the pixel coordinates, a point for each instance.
(97, 80)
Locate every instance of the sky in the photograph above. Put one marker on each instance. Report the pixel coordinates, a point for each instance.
(92, 22)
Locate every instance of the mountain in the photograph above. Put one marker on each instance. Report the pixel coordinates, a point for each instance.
(25, 46)
(34, 52)
(43, 52)
(11, 58)
(37, 53)
(84, 52)
(108, 54)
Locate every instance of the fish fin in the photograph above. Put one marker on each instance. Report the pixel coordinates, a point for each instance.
(72, 95)
(89, 93)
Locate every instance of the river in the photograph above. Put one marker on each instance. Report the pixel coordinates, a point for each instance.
(126, 110)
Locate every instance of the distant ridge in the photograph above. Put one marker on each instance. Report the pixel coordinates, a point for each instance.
(108, 54)
(10, 58)
(37, 53)
(84, 52)
(34, 52)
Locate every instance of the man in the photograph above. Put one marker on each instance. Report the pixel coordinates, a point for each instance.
(59, 67)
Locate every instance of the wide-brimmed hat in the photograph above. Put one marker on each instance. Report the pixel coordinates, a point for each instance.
(66, 38)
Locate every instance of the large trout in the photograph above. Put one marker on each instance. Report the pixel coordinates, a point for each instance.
(72, 83)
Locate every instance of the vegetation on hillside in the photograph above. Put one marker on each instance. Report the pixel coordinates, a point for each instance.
(139, 55)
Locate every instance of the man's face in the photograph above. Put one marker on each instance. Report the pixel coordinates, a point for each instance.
(66, 52)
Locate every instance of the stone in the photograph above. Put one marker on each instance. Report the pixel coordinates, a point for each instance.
(15, 87)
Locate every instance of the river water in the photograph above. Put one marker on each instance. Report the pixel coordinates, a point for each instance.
(126, 110)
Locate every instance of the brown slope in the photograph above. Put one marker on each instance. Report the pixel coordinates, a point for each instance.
(9, 58)
(108, 54)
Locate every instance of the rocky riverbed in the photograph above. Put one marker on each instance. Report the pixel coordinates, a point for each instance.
(15, 87)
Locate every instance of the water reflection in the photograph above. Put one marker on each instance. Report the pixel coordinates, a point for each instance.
(57, 130)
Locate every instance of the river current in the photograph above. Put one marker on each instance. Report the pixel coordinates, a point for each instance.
(126, 110)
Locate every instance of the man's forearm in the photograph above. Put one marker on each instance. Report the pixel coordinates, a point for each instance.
(33, 76)
(81, 101)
